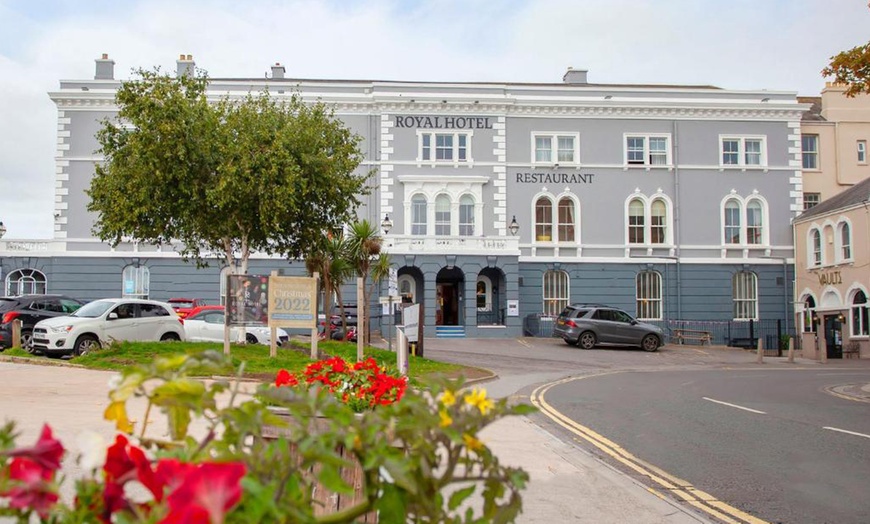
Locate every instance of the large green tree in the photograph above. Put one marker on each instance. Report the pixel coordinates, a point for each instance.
(851, 67)
(222, 178)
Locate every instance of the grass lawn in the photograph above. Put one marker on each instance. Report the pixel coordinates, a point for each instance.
(258, 364)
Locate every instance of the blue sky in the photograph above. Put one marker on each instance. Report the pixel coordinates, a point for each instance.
(739, 44)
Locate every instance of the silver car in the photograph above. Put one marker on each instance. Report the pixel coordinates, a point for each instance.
(587, 325)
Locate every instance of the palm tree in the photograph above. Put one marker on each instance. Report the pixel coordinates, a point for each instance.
(364, 243)
(330, 261)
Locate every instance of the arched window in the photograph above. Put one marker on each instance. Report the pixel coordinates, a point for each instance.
(809, 316)
(543, 220)
(817, 247)
(466, 216)
(649, 295)
(136, 281)
(407, 289)
(732, 222)
(860, 325)
(566, 220)
(845, 242)
(418, 215)
(658, 222)
(754, 225)
(556, 292)
(635, 222)
(744, 290)
(484, 293)
(25, 282)
(442, 215)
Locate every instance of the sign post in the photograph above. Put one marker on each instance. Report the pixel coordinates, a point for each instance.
(389, 301)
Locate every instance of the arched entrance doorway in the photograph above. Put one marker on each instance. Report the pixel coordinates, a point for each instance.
(448, 297)
(489, 297)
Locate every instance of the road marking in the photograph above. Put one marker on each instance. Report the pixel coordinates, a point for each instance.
(679, 488)
(735, 406)
(847, 431)
(523, 342)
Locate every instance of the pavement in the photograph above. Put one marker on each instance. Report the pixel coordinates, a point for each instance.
(567, 483)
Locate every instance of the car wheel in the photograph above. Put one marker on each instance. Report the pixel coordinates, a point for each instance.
(251, 339)
(587, 340)
(86, 344)
(170, 337)
(27, 341)
(650, 343)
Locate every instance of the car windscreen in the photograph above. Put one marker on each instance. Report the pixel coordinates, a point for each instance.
(93, 309)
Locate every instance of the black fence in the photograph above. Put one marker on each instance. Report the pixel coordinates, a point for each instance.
(734, 333)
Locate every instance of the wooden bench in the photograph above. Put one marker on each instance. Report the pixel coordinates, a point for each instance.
(682, 335)
(852, 349)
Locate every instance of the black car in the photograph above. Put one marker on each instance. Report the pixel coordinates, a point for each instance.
(30, 309)
(587, 325)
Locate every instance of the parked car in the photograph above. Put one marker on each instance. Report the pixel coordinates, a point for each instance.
(183, 306)
(587, 325)
(102, 321)
(206, 324)
(30, 309)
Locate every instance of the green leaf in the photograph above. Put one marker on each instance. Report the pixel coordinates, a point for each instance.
(458, 497)
(179, 420)
(330, 477)
(391, 505)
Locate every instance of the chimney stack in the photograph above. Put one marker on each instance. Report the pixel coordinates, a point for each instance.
(278, 70)
(105, 68)
(185, 65)
(575, 76)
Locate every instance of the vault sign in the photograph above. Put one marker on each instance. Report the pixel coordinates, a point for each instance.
(292, 302)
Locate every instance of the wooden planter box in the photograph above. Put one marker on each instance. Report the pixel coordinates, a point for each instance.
(325, 501)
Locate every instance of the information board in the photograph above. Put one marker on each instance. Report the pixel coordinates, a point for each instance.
(292, 302)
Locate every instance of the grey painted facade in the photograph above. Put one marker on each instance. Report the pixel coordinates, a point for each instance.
(499, 170)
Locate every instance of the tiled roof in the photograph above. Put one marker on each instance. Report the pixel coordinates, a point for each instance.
(856, 194)
(815, 112)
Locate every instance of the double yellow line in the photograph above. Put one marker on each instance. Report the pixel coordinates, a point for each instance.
(678, 487)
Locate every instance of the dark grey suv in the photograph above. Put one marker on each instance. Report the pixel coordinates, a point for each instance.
(587, 325)
(30, 309)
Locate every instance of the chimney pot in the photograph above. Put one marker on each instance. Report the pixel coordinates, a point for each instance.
(185, 65)
(105, 69)
(278, 70)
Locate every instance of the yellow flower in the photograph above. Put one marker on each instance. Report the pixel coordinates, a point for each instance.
(477, 398)
(117, 411)
(448, 399)
(445, 418)
(471, 443)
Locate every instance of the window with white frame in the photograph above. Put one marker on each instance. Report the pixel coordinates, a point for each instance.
(743, 151)
(556, 292)
(553, 148)
(135, 281)
(649, 295)
(407, 289)
(566, 220)
(442, 215)
(744, 290)
(862, 151)
(845, 246)
(811, 200)
(810, 151)
(744, 222)
(466, 216)
(445, 147)
(225, 272)
(635, 222)
(543, 220)
(809, 316)
(860, 325)
(816, 246)
(647, 150)
(484, 293)
(418, 215)
(658, 222)
(25, 282)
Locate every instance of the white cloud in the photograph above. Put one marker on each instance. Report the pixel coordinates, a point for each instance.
(741, 44)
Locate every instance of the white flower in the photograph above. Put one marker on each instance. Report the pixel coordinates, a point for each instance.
(93, 450)
(115, 381)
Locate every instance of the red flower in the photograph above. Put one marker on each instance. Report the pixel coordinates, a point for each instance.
(46, 453)
(206, 492)
(124, 462)
(285, 378)
(33, 489)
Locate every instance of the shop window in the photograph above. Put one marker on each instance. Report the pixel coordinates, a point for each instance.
(136, 281)
(860, 325)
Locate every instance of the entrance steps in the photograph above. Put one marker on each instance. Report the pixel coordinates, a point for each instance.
(449, 331)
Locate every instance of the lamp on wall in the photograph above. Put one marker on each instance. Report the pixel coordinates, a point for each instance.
(2, 230)
(514, 227)
(387, 224)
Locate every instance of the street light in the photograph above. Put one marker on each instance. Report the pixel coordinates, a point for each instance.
(2, 230)
(514, 227)
(387, 224)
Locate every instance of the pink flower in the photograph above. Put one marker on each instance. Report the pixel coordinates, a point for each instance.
(46, 453)
(207, 491)
(33, 489)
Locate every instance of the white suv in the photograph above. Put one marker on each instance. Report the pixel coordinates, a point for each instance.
(102, 321)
